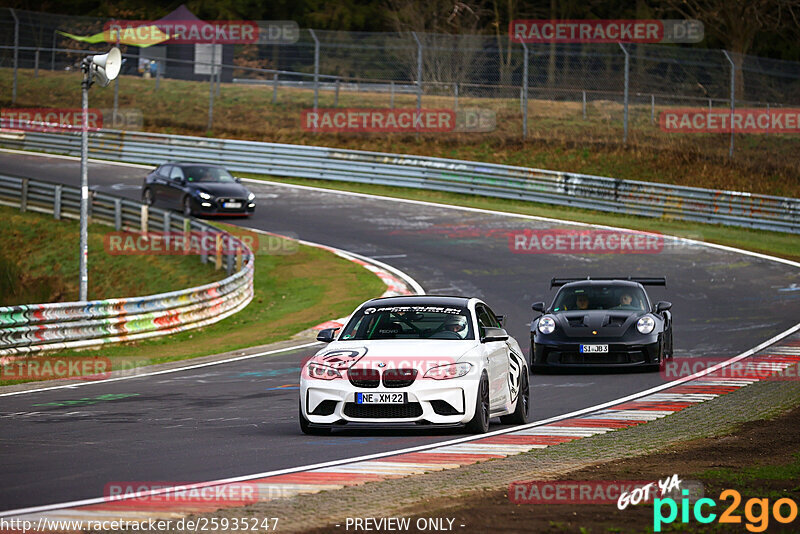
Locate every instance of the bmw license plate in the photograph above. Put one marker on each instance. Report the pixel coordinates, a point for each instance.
(232, 205)
(593, 349)
(380, 398)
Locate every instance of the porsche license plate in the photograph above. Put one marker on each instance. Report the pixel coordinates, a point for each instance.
(380, 398)
(592, 349)
(232, 205)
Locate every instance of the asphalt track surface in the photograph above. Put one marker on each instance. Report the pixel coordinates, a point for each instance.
(240, 418)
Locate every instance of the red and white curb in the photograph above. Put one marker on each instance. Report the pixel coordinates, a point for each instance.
(636, 409)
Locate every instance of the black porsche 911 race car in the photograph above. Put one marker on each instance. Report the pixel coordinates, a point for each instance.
(601, 322)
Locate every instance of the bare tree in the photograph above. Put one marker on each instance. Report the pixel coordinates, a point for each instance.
(736, 23)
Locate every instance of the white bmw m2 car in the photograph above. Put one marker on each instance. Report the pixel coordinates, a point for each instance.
(418, 360)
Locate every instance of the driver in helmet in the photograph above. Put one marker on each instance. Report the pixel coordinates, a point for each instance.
(457, 325)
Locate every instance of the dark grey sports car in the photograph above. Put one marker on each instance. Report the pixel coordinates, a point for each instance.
(198, 189)
(601, 322)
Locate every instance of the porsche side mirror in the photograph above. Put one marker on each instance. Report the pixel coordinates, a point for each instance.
(662, 306)
(494, 334)
(327, 335)
(538, 306)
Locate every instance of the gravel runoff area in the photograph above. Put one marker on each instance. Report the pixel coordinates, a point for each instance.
(437, 494)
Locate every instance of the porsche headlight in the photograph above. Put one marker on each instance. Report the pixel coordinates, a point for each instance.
(547, 325)
(446, 372)
(645, 324)
(204, 195)
(251, 196)
(322, 372)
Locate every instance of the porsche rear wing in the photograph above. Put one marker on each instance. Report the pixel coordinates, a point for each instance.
(657, 281)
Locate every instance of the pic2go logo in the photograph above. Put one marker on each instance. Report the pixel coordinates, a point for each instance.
(756, 521)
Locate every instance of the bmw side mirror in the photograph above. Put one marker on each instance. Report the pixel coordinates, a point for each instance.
(500, 319)
(494, 334)
(538, 306)
(238, 180)
(326, 335)
(662, 306)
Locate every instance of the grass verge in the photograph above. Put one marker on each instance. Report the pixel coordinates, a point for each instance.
(774, 243)
(558, 135)
(293, 292)
(39, 262)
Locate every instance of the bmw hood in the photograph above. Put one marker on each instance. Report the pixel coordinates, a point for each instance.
(393, 353)
(606, 323)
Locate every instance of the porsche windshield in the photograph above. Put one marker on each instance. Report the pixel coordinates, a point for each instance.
(201, 173)
(596, 297)
(409, 322)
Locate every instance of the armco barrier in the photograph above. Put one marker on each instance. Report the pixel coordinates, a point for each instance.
(32, 328)
(763, 212)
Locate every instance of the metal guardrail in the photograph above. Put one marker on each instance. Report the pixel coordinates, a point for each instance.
(32, 328)
(764, 212)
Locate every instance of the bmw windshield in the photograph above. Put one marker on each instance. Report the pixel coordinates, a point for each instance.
(409, 322)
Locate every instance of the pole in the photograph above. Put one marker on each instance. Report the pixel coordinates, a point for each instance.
(419, 71)
(158, 73)
(36, 64)
(391, 101)
(53, 52)
(652, 109)
(316, 68)
(211, 86)
(625, 117)
(84, 239)
(16, 56)
(274, 87)
(525, 91)
(336, 98)
(584, 105)
(455, 93)
(733, 99)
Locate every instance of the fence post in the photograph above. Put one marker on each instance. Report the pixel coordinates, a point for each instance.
(53, 52)
(625, 113)
(238, 258)
(211, 86)
(733, 98)
(218, 252)
(57, 202)
(16, 56)
(23, 202)
(316, 68)
(143, 217)
(455, 93)
(274, 87)
(391, 88)
(524, 101)
(419, 71)
(117, 214)
(584, 105)
(36, 63)
(187, 235)
(336, 98)
(219, 74)
(229, 261)
(158, 73)
(652, 109)
(167, 222)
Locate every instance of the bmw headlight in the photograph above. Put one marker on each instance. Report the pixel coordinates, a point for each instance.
(445, 372)
(645, 324)
(204, 195)
(547, 325)
(322, 372)
(251, 196)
